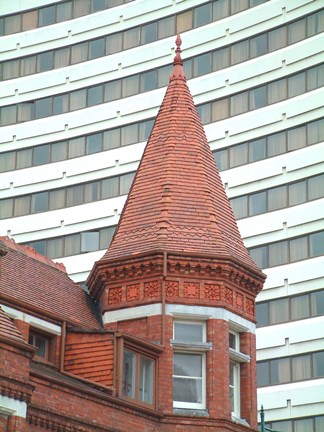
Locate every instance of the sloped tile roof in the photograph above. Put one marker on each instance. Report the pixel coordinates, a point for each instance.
(177, 201)
(8, 328)
(35, 281)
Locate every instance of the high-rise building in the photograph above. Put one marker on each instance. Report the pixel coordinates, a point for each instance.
(82, 81)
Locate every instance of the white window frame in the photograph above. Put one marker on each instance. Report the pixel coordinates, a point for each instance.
(192, 348)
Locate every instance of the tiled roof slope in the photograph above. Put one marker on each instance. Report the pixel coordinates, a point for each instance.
(177, 201)
(35, 281)
(8, 329)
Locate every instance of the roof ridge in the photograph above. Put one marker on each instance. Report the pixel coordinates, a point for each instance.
(10, 243)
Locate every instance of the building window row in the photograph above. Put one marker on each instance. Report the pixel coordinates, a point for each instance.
(66, 197)
(261, 96)
(290, 369)
(48, 15)
(208, 62)
(301, 306)
(270, 145)
(239, 103)
(288, 251)
(279, 197)
(74, 244)
(76, 147)
(308, 424)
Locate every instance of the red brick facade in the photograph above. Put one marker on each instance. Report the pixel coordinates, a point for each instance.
(107, 361)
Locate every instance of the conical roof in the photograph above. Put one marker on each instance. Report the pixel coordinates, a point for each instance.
(177, 201)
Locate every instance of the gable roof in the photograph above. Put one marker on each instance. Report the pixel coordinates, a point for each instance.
(177, 201)
(34, 282)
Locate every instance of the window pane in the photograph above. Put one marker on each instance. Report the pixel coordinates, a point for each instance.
(146, 380)
(72, 245)
(239, 5)
(315, 23)
(63, 11)
(24, 158)
(317, 303)
(220, 109)
(296, 31)
(166, 27)
(239, 103)
(148, 81)
(258, 97)
(130, 85)
(319, 422)
(96, 48)
(94, 143)
(10, 69)
(298, 249)
(277, 91)
(316, 244)
(114, 43)
(109, 187)
(299, 307)
(112, 90)
(8, 115)
(39, 202)
(45, 61)
(41, 155)
(25, 111)
(28, 65)
(129, 134)
(89, 241)
(29, 20)
(46, 16)
(22, 206)
(278, 253)
(79, 52)
(280, 371)
(283, 426)
(301, 367)
(278, 310)
(277, 38)
(240, 52)
(92, 191)
(263, 378)
(221, 9)
(164, 75)
(80, 8)
(315, 78)
(188, 332)
(204, 113)
(304, 425)
(78, 100)
(6, 208)
(296, 138)
(276, 144)
(12, 24)
(262, 314)
(57, 199)
(315, 132)
(202, 15)
(60, 104)
(297, 193)
(74, 195)
(238, 155)
(277, 198)
(257, 203)
(55, 248)
(296, 85)
(7, 161)
(149, 33)
(111, 139)
(43, 107)
(125, 183)
(257, 150)
(202, 64)
(316, 187)
(184, 21)
(129, 374)
(239, 206)
(106, 235)
(132, 38)
(145, 130)
(260, 256)
(258, 46)
(187, 390)
(221, 58)
(95, 95)
(221, 159)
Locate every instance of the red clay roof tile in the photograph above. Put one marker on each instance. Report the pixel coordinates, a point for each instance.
(8, 328)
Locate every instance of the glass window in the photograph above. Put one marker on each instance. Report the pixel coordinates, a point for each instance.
(148, 81)
(54, 247)
(262, 314)
(296, 31)
(303, 425)
(24, 158)
(111, 139)
(96, 48)
(76, 147)
(204, 112)
(297, 193)
(60, 104)
(301, 367)
(78, 99)
(280, 371)
(72, 245)
(300, 307)
(276, 144)
(149, 33)
(25, 111)
(45, 61)
(298, 249)
(46, 16)
(56, 199)
(95, 95)
(63, 11)
(221, 58)
(315, 78)
(110, 187)
(240, 52)
(166, 27)
(202, 15)
(317, 303)
(42, 344)
(258, 45)
(277, 198)
(94, 143)
(80, 8)
(89, 241)
(239, 206)
(258, 97)
(43, 107)
(129, 374)
(79, 52)
(277, 91)
(131, 38)
(146, 380)
(10, 69)
(319, 423)
(129, 134)
(130, 85)
(239, 103)
(184, 21)
(74, 195)
(12, 24)
(316, 244)
(257, 203)
(22, 206)
(296, 138)
(189, 332)
(315, 132)
(260, 256)
(114, 43)
(106, 235)
(315, 23)
(6, 208)
(29, 20)
(239, 5)
(59, 151)
(278, 253)
(164, 75)
(238, 155)
(283, 426)
(41, 155)
(145, 130)
(221, 9)
(316, 187)
(125, 183)
(277, 38)
(257, 150)
(279, 311)
(221, 159)
(202, 64)
(263, 374)
(187, 379)
(39, 202)
(7, 161)
(28, 65)
(112, 90)
(8, 115)
(296, 84)
(220, 109)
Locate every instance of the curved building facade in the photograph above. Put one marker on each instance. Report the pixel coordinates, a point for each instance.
(81, 84)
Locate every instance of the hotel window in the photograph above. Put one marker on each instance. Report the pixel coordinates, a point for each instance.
(189, 364)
